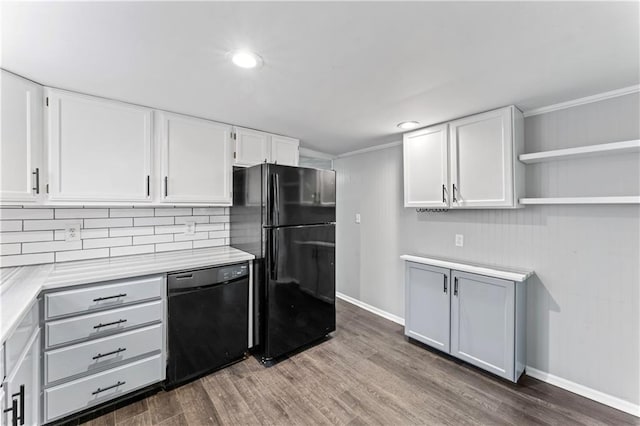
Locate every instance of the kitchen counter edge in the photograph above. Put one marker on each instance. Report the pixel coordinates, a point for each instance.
(20, 286)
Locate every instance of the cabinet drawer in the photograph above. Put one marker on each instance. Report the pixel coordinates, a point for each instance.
(18, 340)
(101, 324)
(102, 296)
(88, 391)
(96, 355)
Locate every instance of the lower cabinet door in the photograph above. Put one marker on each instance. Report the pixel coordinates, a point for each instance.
(428, 305)
(63, 400)
(483, 322)
(22, 384)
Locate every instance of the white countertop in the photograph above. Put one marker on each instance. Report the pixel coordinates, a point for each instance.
(20, 286)
(511, 274)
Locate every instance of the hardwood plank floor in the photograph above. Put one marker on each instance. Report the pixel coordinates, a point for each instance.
(366, 374)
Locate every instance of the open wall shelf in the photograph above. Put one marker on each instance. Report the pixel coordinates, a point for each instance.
(582, 200)
(583, 151)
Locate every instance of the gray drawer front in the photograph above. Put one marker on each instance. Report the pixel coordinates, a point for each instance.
(100, 324)
(99, 354)
(60, 401)
(18, 340)
(110, 295)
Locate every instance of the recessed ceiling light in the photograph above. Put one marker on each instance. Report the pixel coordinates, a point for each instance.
(245, 59)
(408, 125)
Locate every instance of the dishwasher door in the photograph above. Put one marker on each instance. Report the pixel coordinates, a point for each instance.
(208, 321)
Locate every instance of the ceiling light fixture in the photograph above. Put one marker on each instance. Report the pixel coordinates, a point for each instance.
(406, 125)
(245, 59)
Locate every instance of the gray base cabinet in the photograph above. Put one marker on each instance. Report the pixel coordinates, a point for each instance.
(427, 305)
(475, 318)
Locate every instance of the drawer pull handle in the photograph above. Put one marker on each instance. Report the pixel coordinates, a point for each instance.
(120, 321)
(97, 391)
(117, 351)
(99, 299)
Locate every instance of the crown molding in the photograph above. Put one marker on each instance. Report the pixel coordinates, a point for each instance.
(582, 101)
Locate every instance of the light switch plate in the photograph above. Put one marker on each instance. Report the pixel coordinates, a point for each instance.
(357, 217)
(459, 240)
(72, 231)
(189, 228)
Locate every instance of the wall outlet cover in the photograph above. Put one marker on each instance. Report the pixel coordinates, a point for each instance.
(72, 231)
(189, 227)
(459, 240)
(357, 217)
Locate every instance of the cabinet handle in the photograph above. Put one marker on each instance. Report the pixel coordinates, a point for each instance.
(117, 351)
(455, 286)
(37, 173)
(166, 186)
(120, 321)
(455, 200)
(148, 186)
(443, 190)
(99, 299)
(14, 412)
(445, 284)
(97, 391)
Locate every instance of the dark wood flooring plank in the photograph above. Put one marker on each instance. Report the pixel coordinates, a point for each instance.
(196, 405)
(163, 405)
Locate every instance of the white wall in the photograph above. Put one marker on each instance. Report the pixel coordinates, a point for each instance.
(583, 303)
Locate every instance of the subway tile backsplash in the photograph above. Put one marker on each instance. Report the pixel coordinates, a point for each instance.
(29, 236)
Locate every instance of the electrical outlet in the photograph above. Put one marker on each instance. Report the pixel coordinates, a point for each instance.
(357, 217)
(72, 231)
(189, 228)
(459, 240)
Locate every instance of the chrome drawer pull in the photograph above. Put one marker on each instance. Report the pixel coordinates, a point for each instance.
(120, 321)
(110, 297)
(97, 391)
(117, 351)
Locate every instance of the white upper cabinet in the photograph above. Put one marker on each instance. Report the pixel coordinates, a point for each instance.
(473, 165)
(196, 160)
(252, 147)
(483, 157)
(98, 150)
(21, 173)
(284, 150)
(425, 156)
(255, 147)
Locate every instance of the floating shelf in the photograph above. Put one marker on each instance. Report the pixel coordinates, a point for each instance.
(583, 151)
(582, 200)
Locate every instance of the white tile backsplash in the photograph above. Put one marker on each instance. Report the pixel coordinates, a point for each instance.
(36, 235)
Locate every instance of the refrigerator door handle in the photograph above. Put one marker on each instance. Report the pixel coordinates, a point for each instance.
(276, 198)
(272, 192)
(273, 252)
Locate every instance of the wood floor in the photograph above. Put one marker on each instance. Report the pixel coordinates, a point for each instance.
(368, 373)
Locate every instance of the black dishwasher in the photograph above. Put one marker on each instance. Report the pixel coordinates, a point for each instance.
(208, 320)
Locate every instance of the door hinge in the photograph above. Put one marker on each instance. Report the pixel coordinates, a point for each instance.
(46, 101)
(47, 188)
(234, 155)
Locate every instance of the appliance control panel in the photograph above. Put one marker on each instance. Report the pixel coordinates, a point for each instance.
(231, 272)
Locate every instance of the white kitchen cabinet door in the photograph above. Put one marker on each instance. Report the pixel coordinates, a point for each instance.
(21, 142)
(197, 160)
(425, 156)
(252, 147)
(427, 305)
(284, 150)
(26, 374)
(482, 160)
(483, 322)
(99, 150)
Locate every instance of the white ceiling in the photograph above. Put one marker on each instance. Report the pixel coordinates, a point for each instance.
(339, 76)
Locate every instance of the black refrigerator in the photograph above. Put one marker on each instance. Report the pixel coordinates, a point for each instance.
(285, 216)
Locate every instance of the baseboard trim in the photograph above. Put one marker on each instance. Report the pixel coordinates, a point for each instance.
(372, 309)
(585, 391)
(595, 395)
